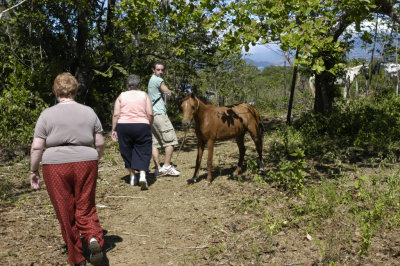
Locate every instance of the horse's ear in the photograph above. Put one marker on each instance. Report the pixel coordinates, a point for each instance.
(192, 95)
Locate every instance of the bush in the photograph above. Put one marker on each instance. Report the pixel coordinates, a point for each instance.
(367, 122)
(290, 174)
(19, 110)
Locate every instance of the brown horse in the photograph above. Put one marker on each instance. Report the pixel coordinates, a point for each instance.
(214, 123)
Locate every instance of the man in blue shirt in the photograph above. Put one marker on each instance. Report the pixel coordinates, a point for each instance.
(162, 129)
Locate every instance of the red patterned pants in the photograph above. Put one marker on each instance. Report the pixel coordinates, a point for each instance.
(72, 190)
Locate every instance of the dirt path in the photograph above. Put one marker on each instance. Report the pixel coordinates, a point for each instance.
(231, 222)
(170, 224)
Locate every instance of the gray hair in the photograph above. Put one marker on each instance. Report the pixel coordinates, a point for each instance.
(133, 82)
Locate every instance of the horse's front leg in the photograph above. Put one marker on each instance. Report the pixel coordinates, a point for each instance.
(242, 151)
(210, 148)
(200, 150)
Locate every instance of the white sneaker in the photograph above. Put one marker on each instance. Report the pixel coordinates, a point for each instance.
(172, 171)
(161, 171)
(134, 180)
(143, 183)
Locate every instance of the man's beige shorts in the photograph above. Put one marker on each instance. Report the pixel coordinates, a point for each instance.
(163, 132)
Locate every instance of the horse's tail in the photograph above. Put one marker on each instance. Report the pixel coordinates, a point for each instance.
(260, 132)
(257, 116)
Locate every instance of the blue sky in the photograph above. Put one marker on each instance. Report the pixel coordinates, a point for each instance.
(272, 54)
(265, 53)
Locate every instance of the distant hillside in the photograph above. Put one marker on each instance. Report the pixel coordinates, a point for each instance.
(259, 63)
(263, 64)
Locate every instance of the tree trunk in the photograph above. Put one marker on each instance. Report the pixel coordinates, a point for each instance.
(324, 95)
(284, 77)
(372, 57)
(293, 86)
(79, 67)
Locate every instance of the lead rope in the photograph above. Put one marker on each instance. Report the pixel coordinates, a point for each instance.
(183, 142)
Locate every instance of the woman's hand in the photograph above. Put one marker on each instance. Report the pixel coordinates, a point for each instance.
(114, 135)
(35, 179)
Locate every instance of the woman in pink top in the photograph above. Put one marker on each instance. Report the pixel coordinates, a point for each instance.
(131, 127)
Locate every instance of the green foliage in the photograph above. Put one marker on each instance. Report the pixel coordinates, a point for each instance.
(368, 204)
(368, 122)
(19, 110)
(252, 165)
(379, 196)
(322, 201)
(5, 188)
(273, 85)
(100, 44)
(109, 72)
(272, 225)
(273, 104)
(308, 27)
(286, 143)
(251, 204)
(290, 174)
(232, 80)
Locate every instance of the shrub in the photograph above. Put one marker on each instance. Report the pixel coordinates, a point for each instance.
(367, 122)
(290, 174)
(19, 110)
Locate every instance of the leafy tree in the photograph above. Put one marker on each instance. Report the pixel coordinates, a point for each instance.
(232, 80)
(316, 29)
(170, 31)
(100, 42)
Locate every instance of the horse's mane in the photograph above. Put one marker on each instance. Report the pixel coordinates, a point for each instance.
(203, 99)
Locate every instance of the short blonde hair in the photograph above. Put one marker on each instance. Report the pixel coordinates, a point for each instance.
(65, 85)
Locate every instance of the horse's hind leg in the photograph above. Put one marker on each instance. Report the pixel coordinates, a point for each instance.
(210, 151)
(257, 134)
(242, 151)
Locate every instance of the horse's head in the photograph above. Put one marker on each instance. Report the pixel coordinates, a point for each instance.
(190, 105)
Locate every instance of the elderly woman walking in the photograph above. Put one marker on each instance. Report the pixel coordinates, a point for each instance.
(131, 126)
(69, 131)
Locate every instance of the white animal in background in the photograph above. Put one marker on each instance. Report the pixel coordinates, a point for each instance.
(391, 68)
(350, 75)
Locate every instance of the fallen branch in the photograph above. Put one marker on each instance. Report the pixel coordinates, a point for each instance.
(131, 197)
(202, 247)
(126, 233)
(101, 206)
